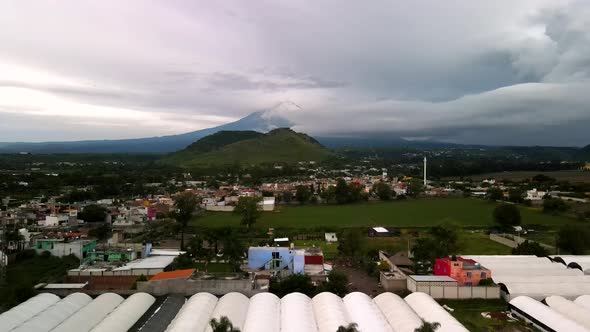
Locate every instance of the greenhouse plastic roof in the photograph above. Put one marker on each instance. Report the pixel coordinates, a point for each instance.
(26, 310)
(536, 277)
(429, 310)
(126, 314)
(584, 301)
(545, 315)
(570, 310)
(55, 314)
(263, 312)
(92, 314)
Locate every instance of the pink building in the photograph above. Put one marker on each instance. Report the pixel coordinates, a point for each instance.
(467, 272)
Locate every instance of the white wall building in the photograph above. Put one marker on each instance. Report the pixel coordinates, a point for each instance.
(535, 195)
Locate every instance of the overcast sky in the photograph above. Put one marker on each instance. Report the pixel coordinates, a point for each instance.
(486, 72)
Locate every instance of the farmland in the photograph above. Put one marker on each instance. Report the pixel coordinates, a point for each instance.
(464, 212)
(566, 175)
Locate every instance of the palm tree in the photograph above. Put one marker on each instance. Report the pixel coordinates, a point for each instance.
(427, 327)
(223, 325)
(352, 327)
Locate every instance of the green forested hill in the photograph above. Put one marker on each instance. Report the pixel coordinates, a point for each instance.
(250, 148)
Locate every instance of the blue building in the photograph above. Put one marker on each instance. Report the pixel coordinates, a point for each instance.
(276, 258)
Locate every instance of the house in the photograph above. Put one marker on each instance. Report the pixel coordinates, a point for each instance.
(331, 237)
(379, 232)
(61, 247)
(280, 260)
(467, 272)
(267, 203)
(535, 195)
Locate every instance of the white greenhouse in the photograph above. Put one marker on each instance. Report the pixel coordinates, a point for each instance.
(297, 314)
(330, 312)
(542, 316)
(569, 309)
(363, 311)
(26, 310)
(92, 314)
(54, 315)
(584, 301)
(397, 312)
(429, 310)
(195, 314)
(126, 314)
(264, 313)
(234, 306)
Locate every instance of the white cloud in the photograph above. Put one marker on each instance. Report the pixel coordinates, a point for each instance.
(428, 68)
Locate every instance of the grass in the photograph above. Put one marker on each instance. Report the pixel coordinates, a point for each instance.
(566, 175)
(465, 212)
(215, 267)
(479, 243)
(468, 312)
(472, 243)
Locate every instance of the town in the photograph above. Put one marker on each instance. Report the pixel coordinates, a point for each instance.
(294, 166)
(455, 240)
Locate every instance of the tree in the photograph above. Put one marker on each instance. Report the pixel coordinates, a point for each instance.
(233, 251)
(342, 192)
(93, 213)
(494, 194)
(300, 283)
(530, 248)
(383, 191)
(446, 237)
(329, 195)
(441, 241)
(515, 195)
(337, 283)
(541, 178)
(507, 215)
(356, 192)
(181, 262)
(186, 204)
(287, 195)
(352, 327)
(573, 239)
(554, 205)
(101, 233)
(223, 325)
(247, 208)
(427, 327)
(303, 194)
(351, 244)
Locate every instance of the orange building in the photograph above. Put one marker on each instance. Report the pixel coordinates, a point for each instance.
(467, 272)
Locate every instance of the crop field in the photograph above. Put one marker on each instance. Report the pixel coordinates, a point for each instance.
(472, 243)
(464, 212)
(569, 175)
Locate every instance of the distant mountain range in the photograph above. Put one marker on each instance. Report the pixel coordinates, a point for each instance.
(250, 148)
(261, 121)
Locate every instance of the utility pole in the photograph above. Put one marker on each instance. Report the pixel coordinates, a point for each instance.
(425, 183)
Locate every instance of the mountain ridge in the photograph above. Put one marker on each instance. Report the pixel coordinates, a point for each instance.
(280, 145)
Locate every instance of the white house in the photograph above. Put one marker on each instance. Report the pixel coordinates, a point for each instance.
(535, 195)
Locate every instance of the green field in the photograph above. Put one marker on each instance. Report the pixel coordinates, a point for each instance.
(567, 175)
(472, 243)
(466, 212)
